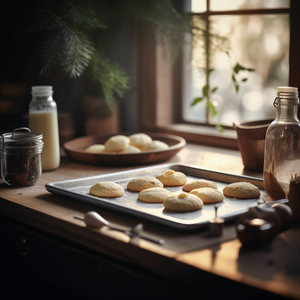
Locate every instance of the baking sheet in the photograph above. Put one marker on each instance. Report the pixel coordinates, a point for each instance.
(78, 189)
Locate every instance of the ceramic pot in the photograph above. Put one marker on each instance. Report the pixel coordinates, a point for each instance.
(251, 143)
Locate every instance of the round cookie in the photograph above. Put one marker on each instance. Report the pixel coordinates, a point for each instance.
(154, 195)
(131, 149)
(172, 178)
(208, 195)
(141, 183)
(117, 143)
(183, 202)
(107, 189)
(155, 146)
(96, 148)
(242, 190)
(139, 140)
(197, 184)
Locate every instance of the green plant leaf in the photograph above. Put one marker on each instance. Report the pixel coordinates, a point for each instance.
(219, 127)
(210, 70)
(237, 87)
(197, 100)
(237, 68)
(244, 79)
(212, 109)
(214, 90)
(233, 78)
(205, 90)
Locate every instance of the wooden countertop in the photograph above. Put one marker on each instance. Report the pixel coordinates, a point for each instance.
(186, 256)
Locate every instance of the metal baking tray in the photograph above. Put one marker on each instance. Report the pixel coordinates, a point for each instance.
(78, 189)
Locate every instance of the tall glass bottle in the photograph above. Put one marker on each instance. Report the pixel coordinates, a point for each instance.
(282, 145)
(43, 119)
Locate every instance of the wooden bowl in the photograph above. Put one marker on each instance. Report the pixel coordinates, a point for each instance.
(75, 149)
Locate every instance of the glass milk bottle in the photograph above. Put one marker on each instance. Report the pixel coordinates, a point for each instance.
(43, 119)
(282, 145)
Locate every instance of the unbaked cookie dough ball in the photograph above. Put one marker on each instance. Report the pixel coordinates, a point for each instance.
(154, 195)
(242, 190)
(155, 146)
(172, 178)
(208, 195)
(139, 140)
(197, 184)
(141, 183)
(117, 143)
(96, 148)
(107, 189)
(183, 202)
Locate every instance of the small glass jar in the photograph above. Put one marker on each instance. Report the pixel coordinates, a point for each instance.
(21, 161)
(282, 145)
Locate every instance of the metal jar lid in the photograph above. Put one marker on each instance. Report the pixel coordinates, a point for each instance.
(286, 95)
(22, 141)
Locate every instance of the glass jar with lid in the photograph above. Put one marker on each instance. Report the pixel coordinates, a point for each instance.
(282, 145)
(21, 162)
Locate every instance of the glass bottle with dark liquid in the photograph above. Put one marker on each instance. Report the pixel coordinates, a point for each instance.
(282, 145)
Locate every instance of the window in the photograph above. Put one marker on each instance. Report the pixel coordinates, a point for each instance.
(256, 34)
(163, 86)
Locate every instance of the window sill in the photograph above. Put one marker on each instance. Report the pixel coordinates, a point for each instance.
(200, 134)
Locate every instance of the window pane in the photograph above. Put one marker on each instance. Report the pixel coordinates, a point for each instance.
(218, 5)
(198, 6)
(256, 41)
(193, 82)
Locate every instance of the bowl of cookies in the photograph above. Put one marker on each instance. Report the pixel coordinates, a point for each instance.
(124, 149)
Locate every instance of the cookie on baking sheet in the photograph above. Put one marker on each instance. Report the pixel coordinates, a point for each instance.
(197, 184)
(96, 148)
(107, 189)
(155, 146)
(242, 190)
(172, 178)
(117, 143)
(183, 202)
(208, 195)
(131, 149)
(154, 195)
(141, 183)
(139, 140)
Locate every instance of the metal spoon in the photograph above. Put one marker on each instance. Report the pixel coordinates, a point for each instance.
(93, 219)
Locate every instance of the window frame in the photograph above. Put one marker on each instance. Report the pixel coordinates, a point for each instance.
(160, 87)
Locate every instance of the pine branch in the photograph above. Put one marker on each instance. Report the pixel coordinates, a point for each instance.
(109, 76)
(51, 51)
(66, 43)
(166, 22)
(69, 25)
(77, 51)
